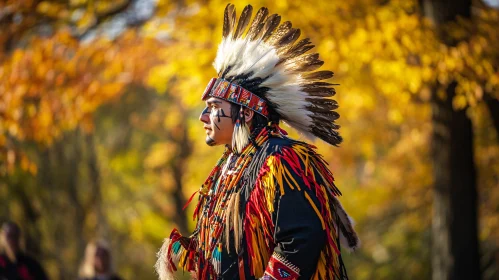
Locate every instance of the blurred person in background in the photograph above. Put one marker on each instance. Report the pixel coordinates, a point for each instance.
(15, 264)
(269, 209)
(97, 264)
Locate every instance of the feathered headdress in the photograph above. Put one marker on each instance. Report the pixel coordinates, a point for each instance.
(269, 71)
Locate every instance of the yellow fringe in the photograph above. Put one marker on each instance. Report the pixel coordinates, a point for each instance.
(261, 257)
(320, 272)
(315, 209)
(291, 177)
(278, 174)
(302, 153)
(276, 171)
(268, 185)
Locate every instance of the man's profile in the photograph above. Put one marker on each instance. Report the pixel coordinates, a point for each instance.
(269, 207)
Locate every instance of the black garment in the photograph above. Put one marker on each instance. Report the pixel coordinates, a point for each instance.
(26, 268)
(283, 214)
(298, 233)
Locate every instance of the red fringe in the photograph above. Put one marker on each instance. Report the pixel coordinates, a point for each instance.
(257, 205)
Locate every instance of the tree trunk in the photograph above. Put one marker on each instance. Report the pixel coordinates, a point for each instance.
(95, 203)
(493, 105)
(178, 167)
(455, 253)
(455, 223)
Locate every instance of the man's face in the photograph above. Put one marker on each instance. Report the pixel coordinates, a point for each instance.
(217, 121)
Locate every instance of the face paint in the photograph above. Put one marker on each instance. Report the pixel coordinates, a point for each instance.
(209, 141)
(217, 124)
(212, 118)
(216, 115)
(221, 114)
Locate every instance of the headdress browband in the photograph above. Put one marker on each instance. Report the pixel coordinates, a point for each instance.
(225, 90)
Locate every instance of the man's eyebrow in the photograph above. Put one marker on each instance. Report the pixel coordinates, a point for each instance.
(209, 102)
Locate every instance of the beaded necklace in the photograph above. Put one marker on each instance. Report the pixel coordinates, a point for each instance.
(215, 193)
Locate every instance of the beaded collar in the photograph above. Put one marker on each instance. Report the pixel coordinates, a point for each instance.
(217, 192)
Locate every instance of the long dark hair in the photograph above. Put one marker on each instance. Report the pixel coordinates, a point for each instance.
(258, 122)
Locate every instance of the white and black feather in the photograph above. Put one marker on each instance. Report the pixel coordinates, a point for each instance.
(271, 62)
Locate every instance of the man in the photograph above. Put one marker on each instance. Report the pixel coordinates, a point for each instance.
(269, 208)
(15, 265)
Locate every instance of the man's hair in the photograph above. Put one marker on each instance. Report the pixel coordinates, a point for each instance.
(258, 120)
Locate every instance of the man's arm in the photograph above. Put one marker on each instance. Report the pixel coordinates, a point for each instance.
(299, 237)
(299, 231)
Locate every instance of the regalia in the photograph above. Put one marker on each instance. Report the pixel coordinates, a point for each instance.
(269, 209)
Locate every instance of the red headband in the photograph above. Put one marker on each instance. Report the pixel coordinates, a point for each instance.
(223, 89)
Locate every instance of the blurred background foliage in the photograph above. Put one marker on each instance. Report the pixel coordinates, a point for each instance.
(99, 136)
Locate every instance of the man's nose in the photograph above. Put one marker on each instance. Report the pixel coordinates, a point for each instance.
(204, 117)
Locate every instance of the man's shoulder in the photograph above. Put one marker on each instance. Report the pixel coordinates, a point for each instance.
(276, 144)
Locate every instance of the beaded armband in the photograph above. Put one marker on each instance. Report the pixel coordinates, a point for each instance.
(280, 268)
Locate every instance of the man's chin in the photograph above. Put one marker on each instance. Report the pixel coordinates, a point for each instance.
(210, 141)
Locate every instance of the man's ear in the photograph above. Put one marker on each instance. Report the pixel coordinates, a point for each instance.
(248, 115)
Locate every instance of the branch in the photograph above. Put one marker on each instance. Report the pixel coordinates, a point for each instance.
(101, 17)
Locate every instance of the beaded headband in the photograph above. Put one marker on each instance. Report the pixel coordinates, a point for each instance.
(225, 90)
